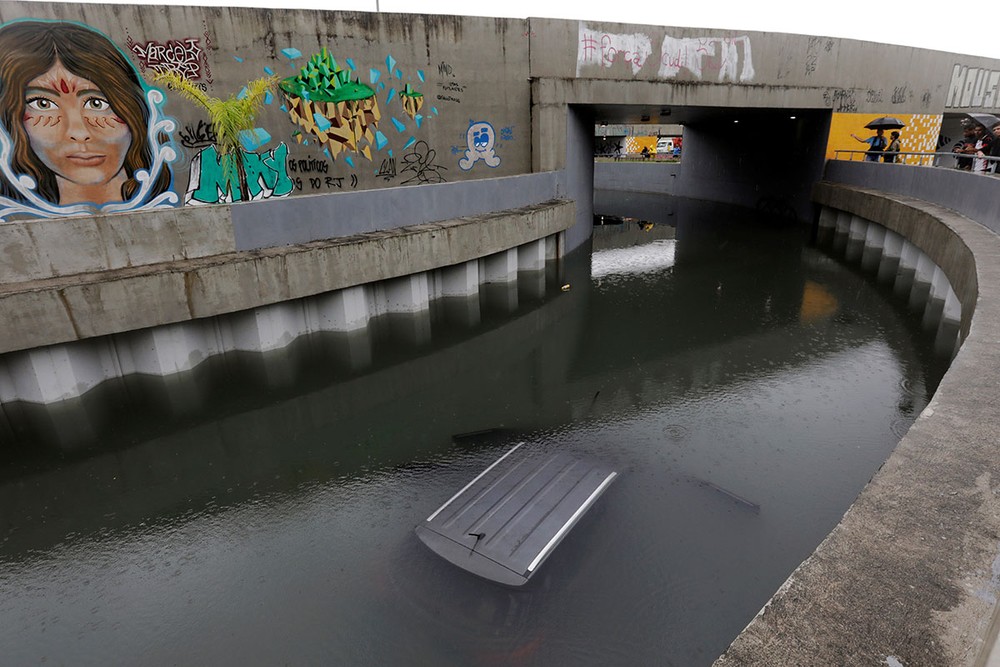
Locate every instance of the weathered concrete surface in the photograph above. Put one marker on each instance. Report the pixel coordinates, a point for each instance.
(910, 572)
(590, 60)
(658, 177)
(38, 249)
(84, 305)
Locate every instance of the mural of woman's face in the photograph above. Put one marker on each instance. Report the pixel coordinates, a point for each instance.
(74, 132)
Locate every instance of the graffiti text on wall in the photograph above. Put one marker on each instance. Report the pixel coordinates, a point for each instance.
(841, 100)
(729, 57)
(697, 54)
(266, 172)
(197, 136)
(604, 49)
(85, 134)
(973, 88)
(184, 56)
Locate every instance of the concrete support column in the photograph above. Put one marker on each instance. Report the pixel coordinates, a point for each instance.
(892, 250)
(267, 328)
(856, 238)
(826, 225)
(343, 310)
(857, 229)
(925, 269)
(874, 244)
(409, 294)
(60, 372)
(827, 218)
(893, 246)
(937, 294)
(165, 350)
(908, 258)
(952, 308)
(841, 231)
(939, 284)
(460, 279)
(500, 267)
(920, 293)
(555, 245)
(843, 222)
(531, 256)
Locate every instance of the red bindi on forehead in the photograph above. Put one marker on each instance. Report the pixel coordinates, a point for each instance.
(60, 80)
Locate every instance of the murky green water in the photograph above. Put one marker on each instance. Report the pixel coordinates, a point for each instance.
(261, 510)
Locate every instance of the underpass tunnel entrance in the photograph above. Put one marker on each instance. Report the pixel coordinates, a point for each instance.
(764, 158)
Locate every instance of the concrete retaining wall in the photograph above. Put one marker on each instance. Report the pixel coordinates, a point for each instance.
(76, 332)
(974, 196)
(85, 305)
(47, 248)
(909, 574)
(655, 177)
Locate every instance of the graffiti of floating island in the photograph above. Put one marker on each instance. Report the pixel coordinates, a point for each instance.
(412, 101)
(337, 112)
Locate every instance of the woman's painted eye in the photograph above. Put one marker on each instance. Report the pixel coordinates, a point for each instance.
(41, 104)
(97, 104)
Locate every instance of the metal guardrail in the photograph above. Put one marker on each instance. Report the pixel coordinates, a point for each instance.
(923, 159)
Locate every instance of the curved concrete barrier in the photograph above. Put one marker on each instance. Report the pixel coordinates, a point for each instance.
(67, 334)
(911, 574)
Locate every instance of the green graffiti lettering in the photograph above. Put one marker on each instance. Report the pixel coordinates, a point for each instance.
(268, 170)
(212, 184)
(266, 174)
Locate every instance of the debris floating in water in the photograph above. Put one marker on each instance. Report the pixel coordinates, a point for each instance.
(740, 500)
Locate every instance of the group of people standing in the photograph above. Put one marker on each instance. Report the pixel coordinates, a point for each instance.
(880, 147)
(977, 143)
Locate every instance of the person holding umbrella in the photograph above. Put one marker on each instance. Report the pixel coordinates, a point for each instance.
(876, 144)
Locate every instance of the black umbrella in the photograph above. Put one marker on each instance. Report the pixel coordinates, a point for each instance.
(987, 120)
(886, 123)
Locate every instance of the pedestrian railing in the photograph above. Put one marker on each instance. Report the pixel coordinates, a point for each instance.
(947, 160)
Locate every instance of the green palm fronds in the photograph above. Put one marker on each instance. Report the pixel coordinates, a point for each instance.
(229, 118)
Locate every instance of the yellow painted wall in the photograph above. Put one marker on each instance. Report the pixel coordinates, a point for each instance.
(635, 144)
(919, 135)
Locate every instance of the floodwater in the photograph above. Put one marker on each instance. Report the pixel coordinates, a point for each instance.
(260, 510)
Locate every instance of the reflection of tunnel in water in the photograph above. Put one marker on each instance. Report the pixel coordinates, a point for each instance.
(291, 483)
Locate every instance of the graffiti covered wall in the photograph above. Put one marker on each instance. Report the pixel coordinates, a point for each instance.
(713, 58)
(370, 101)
